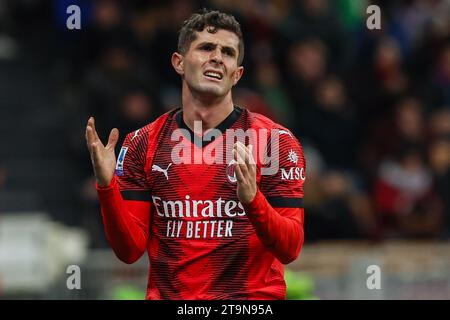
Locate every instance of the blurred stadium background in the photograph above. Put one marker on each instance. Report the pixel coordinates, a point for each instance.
(371, 108)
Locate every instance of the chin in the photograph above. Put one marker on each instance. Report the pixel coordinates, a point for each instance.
(212, 91)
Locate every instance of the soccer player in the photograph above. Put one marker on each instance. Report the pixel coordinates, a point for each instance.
(186, 189)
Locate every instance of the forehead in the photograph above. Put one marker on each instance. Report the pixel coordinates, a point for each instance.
(221, 37)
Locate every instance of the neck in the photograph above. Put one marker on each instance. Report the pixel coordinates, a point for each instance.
(211, 112)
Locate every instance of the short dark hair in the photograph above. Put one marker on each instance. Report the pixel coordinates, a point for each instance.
(214, 20)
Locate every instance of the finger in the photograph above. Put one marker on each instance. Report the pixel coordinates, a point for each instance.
(89, 137)
(238, 156)
(95, 154)
(243, 152)
(239, 174)
(247, 154)
(236, 150)
(250, 153)
(113, 138)
(252, 161)
(91, 123)
(91, 134)
(242, 165)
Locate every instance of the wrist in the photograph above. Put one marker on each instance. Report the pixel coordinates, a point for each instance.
(254, 200)
(105, 185)
(250, 198)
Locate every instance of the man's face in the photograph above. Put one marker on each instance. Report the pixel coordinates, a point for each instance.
(209, 68)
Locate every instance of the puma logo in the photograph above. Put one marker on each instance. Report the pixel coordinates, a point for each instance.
(159, 169)
(135, 134)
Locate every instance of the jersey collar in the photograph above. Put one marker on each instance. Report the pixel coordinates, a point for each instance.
(208, 137)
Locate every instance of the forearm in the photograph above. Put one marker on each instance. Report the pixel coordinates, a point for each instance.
(126, 234)
(283, 233)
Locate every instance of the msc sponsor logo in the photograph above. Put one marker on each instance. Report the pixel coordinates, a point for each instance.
(294, 173)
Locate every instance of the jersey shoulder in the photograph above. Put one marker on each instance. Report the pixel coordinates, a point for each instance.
(259, 121)
(150, 130)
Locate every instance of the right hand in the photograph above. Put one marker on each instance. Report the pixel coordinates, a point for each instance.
(103, 157)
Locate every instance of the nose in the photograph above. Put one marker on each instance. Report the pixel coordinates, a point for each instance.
(216, 56)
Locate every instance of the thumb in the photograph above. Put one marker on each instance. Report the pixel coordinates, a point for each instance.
(250, 154)
(113, 137)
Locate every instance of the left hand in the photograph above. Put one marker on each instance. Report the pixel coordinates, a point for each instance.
(245, 172)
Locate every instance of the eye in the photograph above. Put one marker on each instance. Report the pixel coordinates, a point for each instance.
(206, 47)
(228, 52)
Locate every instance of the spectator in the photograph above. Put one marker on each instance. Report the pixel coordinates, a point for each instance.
(439, 155)
(306, 67)
(269, 85)
(405, 198)
(368, 102)
(331, 124)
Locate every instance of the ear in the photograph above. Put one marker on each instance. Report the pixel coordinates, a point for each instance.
(177, 63)
(238, 74)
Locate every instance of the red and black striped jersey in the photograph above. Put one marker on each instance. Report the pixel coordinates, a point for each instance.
(174, 195)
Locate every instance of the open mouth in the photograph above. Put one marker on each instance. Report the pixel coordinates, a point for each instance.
(213, 75)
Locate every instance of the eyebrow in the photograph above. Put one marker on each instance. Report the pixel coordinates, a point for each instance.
(227, 48)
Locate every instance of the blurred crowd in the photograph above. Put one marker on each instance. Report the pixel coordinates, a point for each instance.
(370, 107)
